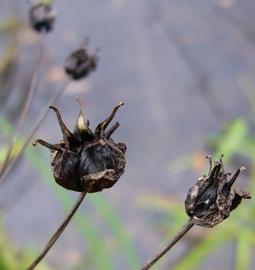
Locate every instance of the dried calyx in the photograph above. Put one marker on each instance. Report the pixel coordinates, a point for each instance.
(80, 63)
(42, 17)
(84, 160)
(213, 197)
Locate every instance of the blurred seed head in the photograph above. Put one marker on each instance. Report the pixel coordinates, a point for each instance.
(42, 17)
(79, 64)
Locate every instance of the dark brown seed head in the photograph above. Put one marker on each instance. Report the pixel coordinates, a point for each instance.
(85, 160)
(213, 197)
(42, 17)
(80, 63)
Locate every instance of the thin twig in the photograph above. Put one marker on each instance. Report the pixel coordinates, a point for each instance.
(34, 129)
(58, 232)
(189, 224)
(30, 95)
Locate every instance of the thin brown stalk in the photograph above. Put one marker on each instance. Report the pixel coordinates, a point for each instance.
(30, 95)
(31, 134)
(189, 224)
(58, 232)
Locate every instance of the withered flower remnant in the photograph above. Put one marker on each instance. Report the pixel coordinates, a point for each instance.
(80, 63)
(213, 197)
(42, 17)
(87, 161)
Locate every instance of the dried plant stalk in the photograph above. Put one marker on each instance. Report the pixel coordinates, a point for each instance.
(164, 250)
(58, 232)
(23, 113)
(34, 129)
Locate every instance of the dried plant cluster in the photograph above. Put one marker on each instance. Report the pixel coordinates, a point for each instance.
(89, 161)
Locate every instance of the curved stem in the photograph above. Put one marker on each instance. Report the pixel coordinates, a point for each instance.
(31, 134)
(23, 113)
(189, 224)
(58, 232)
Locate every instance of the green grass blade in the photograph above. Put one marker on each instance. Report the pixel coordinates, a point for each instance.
(230, 140)
(113, 223)
(243, 250)
(203, 249)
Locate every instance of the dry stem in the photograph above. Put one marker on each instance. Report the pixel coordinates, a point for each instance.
(58, 232)
(34, 129)
(189, 224)
(23, 113)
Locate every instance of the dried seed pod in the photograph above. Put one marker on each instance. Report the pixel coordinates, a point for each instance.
(42, 17)
(212, 198)
(85, 160)
(80, 63)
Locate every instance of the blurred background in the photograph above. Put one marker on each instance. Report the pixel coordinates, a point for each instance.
(185, 70)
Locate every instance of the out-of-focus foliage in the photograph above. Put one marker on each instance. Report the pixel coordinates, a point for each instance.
(8, 24)
(13, 259)
(15, 150)
(230, 141)
(8, 54)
